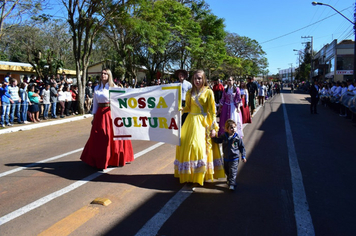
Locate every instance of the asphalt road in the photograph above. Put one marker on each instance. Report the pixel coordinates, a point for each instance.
(46, 190)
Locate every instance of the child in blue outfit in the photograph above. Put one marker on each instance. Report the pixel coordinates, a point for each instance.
(232, 147)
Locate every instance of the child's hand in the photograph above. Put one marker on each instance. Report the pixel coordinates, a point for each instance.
(244, 159)
(212, 133)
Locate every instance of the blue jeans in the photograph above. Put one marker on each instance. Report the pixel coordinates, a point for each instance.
(16, 106)
(45, 110)
(53, 109)
(24, 109)
(5, 112)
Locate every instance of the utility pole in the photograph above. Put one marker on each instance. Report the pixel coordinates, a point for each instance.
(291, 72)
(354, 25)
(311, 55)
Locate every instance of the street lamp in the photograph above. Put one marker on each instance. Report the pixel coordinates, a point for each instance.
(352, 22)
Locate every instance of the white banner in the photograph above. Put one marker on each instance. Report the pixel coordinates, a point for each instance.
(150, 113)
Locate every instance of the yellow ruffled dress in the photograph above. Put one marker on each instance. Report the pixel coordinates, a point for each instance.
(198, 158)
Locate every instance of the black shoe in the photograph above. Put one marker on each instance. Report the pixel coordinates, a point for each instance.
(62, 116)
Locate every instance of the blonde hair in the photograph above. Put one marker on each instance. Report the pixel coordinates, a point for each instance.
(205, 81)
(110, 79)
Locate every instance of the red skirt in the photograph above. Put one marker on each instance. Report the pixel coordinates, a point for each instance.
(245, 111)
(101, 150)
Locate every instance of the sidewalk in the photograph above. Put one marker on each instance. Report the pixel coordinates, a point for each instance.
(43, 123)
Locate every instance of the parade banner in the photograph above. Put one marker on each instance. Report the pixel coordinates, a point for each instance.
(150, 113)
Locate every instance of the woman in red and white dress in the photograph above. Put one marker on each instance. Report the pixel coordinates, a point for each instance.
(101, 150)
(245, 111)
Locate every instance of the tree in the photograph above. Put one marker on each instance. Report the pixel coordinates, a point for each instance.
(211, 52)
(42, 43)
(86, 19)
(15, 11)
(167, 32)
(249, 51)
(121, 30)
(305, 64)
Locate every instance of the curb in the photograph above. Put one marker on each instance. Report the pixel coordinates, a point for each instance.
(43, 124)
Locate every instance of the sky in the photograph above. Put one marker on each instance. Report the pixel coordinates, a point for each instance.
(279, 25)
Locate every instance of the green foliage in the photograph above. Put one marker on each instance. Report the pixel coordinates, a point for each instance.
(160, 35)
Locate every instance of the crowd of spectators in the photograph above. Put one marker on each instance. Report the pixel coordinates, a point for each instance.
(339, 96)
(35, 98)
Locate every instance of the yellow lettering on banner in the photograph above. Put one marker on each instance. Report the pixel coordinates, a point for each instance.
(163, 122)
(135, 122)
(162, 103)
(132, 102)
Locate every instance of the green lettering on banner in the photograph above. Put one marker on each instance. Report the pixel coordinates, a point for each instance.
(128, 120)
(154, 120)
(151, 102)
(122, 103)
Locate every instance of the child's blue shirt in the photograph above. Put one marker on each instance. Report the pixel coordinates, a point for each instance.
(232, 146)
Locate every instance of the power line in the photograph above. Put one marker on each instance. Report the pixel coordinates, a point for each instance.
(303, 27)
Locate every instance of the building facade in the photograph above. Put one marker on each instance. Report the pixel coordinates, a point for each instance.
(19, 70)
(334, 62)
(287, 75)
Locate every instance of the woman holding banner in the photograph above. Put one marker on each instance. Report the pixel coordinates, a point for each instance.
(198, 158)
(101, 150)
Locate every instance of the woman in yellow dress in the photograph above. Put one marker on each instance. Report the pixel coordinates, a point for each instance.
(198, 158)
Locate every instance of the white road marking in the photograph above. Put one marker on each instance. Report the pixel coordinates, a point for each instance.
(155, 223)
(36, 163)
(75, 185)
(301, 207)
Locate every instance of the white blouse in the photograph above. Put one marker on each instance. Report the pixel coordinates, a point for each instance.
(244, 92)
(101, 95)
(68, 95)
(61, 96)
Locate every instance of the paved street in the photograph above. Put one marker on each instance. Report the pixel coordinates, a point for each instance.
(46, 190)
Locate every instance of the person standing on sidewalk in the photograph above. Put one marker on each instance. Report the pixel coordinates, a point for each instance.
(16, 106)
(34, 108)
(101, 150)
(54, 99)
(45, 95)
(314, 96)
(24, 102)
(88, 97)
(252, 94)
(5, 102)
